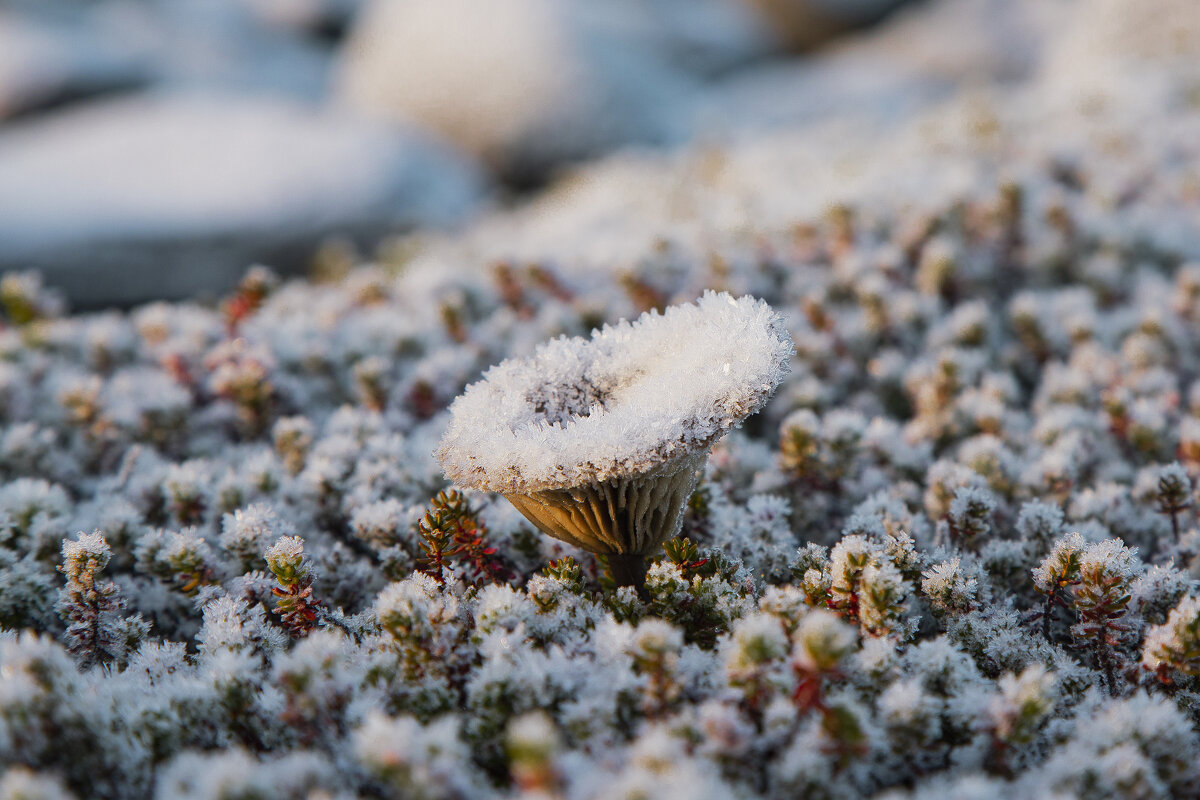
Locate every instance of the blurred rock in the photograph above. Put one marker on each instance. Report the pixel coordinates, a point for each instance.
(925, 53)
(704, 38)
(305, 16)
(804, 24)
(227, 46)
(44, 62)
(526, 85)
(171, 197)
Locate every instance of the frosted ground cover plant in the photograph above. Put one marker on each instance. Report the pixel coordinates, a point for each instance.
(954, 556)
(956, 552)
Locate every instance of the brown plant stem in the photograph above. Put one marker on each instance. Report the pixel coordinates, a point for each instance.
(629, 569)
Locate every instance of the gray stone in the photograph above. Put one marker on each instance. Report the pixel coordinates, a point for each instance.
(174, 196)
(524, 85)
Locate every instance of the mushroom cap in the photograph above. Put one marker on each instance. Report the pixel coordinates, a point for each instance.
(632, 400)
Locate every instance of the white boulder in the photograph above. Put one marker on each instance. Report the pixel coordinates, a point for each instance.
(521, 84)
(175, 195)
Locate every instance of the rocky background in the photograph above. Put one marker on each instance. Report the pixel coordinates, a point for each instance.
(155, 148)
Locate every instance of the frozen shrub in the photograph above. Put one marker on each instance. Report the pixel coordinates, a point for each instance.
(821, 451)
(293, 437)
(240, 375)
(758, 533)
(1100, 597)
(293, 571)
(182, 557)
(25, 298)
(533, 747)
(30, 509)
(1140, 745)
(864, 586)
(26, 592)
(425, 626)
(414, 609)
(702, 598)
(233, 625)
(1058, 571)
(1039, 524)
(247, 532)
(1022, 704)
(969, 516)
(1158, 589)
(318, 679)
(450, 532)
(96, 630)
(755, 659)
(655, 649)
(822, 642)
(381, 524)
(949, 588)
(1175, 644)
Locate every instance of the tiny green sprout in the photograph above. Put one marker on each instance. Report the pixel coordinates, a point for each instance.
(685, 554)
(566, 570)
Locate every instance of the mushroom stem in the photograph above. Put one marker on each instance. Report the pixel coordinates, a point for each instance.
(629, 569)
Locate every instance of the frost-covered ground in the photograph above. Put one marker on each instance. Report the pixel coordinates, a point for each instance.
(955, 556)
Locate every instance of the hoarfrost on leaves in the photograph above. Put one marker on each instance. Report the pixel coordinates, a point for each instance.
(956, 554)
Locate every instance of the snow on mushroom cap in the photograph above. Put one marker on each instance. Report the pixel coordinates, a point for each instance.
(633, 396)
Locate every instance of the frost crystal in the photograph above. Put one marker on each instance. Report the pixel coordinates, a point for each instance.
(85, 556)
(1176, 643)
(1061, 566)
(248, 531)
(948, 587)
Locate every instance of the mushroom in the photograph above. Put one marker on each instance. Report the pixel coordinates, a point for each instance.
(600, 442)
